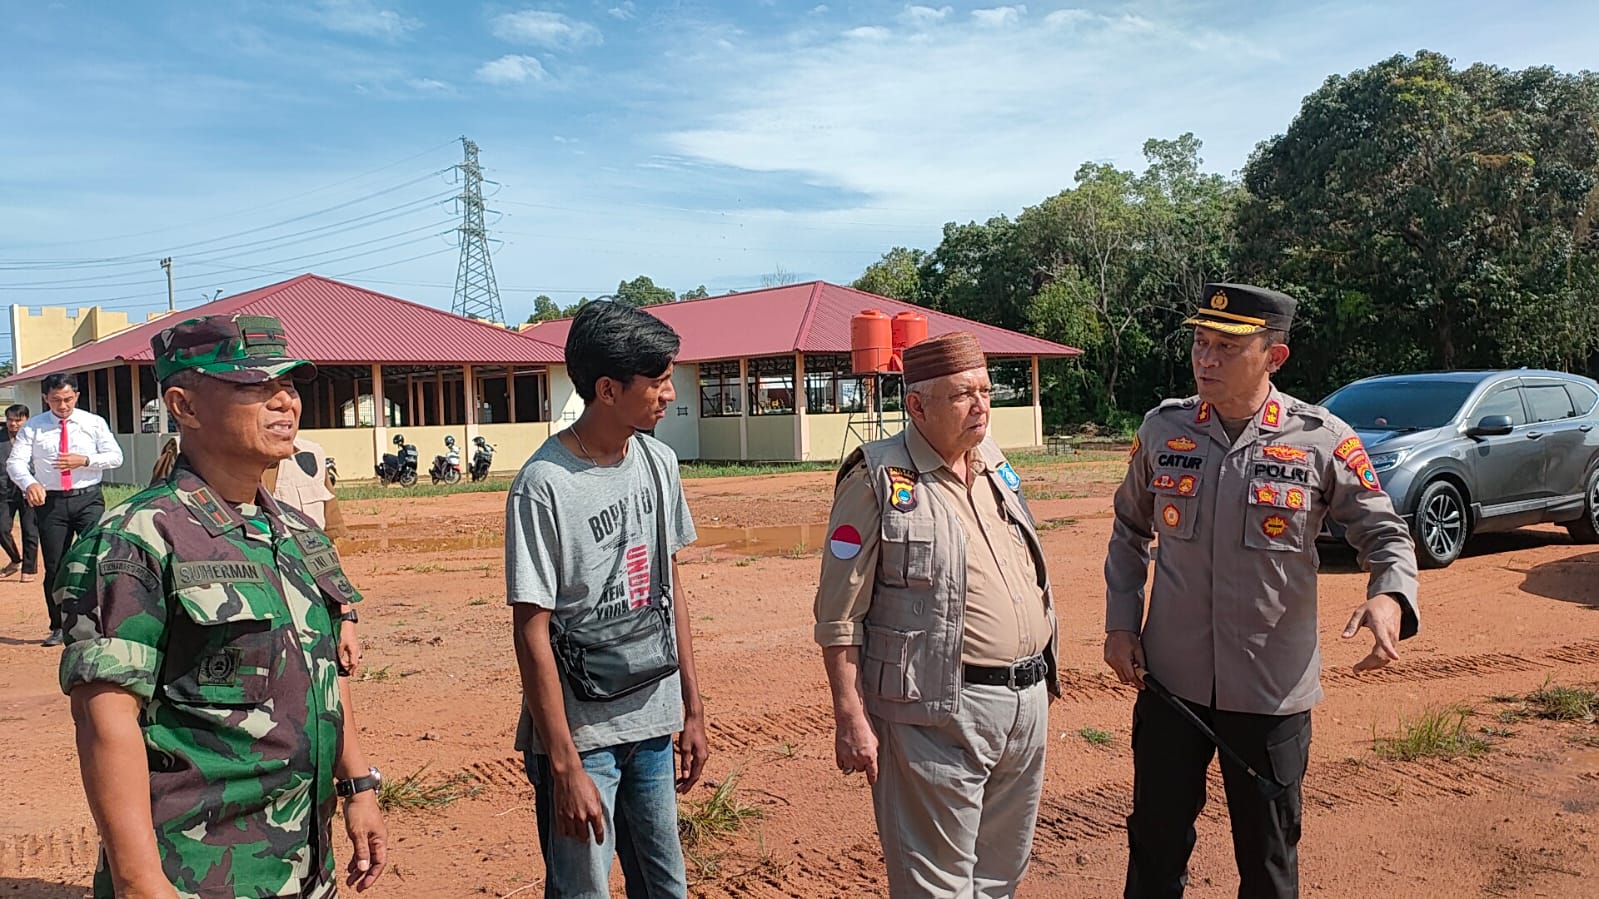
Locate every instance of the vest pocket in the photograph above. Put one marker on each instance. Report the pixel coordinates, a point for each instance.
(1276, 516)
(890, 669)
(906, 550)
(227, 658)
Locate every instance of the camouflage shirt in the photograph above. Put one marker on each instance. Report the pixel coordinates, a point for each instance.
(223, 621)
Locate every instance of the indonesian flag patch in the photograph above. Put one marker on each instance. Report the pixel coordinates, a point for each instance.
(844, 542)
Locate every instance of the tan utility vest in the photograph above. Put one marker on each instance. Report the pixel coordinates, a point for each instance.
(911, 668)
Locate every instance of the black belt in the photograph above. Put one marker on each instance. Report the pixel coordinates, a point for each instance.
(76, 491)
(1017, 675)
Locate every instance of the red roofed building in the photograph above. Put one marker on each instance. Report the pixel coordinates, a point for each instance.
(735, 379)
(435, 374)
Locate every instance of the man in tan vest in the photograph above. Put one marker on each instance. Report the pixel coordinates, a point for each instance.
(1235, 483)
(938, 635)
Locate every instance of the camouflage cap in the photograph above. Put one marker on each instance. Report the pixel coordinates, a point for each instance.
(242, 349)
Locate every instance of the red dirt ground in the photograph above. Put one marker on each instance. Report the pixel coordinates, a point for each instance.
(440, 692)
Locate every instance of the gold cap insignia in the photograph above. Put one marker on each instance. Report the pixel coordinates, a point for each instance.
(1218, 300)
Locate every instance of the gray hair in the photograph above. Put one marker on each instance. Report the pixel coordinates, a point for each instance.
(920, 388)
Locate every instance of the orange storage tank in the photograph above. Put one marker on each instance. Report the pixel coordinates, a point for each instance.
(871, 338)
(910, 328)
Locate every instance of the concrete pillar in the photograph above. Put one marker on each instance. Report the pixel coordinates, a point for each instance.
(510, 394)
(380, 421)
(743, 408)
(469, 394)
(111, 388)
(1038, 409)
(138, 404)
(802, 429)
(438, 397)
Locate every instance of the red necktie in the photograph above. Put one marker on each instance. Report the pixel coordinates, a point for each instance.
(66, 474)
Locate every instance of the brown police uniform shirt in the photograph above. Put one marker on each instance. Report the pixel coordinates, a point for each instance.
(1232, 613)
(1005, 615)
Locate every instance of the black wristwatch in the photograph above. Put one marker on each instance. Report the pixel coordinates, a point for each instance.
(351, 617)
(354, 785)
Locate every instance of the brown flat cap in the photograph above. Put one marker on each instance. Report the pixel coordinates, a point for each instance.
(946, 354)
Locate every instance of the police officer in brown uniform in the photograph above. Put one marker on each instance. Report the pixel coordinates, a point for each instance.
(1236, 483)
(938, 635)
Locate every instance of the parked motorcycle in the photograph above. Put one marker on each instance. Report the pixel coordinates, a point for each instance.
(399, 468)
(333, 471)
(447, 468)
(482, 458)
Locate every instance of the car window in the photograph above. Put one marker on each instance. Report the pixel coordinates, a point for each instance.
(1582, 396)
(1549, 402)
(1502, 401)
(1399, 404)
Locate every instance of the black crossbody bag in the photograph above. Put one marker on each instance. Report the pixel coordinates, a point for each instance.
(604, 660)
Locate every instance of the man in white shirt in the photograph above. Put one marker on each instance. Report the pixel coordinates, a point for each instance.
(57, 460)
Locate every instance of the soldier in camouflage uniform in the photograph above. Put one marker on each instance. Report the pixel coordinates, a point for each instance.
(202, 624)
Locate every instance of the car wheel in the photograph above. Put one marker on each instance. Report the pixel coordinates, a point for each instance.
(1441, 525)
(1586, 528)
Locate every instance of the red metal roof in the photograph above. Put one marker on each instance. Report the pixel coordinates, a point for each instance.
(813, 317)
(332, 323)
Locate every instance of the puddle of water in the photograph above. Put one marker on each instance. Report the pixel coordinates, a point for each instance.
(366, 544)
(766, 540)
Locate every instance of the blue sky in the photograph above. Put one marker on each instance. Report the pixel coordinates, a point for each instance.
(696, 142)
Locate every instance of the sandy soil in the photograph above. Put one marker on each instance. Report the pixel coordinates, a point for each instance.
(440, 694)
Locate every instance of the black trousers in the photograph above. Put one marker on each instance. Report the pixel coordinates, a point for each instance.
(1170, 758)
(62, 519)
(15, 506)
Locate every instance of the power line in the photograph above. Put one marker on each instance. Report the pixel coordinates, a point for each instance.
(476, 294)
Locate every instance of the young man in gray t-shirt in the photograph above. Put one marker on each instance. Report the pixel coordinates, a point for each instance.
(583, 534)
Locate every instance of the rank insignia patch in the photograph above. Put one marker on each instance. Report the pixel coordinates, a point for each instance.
(1164, 482)
(1181, 444)
(1273, 416)
(1204, 414)
(1285, 453)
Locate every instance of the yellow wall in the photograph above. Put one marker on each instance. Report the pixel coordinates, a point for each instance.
(1013, 427)
(829, 432)
(771, 437)
(351, 449)
(514, 444)
(52, 331)
(429, 442)
(719, 438)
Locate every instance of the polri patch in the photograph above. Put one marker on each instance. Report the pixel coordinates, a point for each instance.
(1183, 444)
(845, 542)
(1285, 453)
(1347, 448)
(1274, 525)
(1186, 485)
(902, 488)
(1296, 498)
(1360, 464)
(1171, 516)
(1009, 476)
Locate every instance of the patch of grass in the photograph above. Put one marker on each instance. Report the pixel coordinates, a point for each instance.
(1094, 736)
(116, 493)
(412, 792)
(1557, 703)
(1435, 733)
(374, 674)
(480, 601)
(787, 749)
(723, 814)
(691, 470)
(1050, 524)
(353, 492)
(744, 563)
(797, 551)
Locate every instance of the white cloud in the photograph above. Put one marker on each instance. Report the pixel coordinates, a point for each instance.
(430, 86)
(819, 10)
(1062, 18)
(924, 15)
(624, 11)
(868, 33)
(511, 69)
(545, 29)
(363, 17)
(999, 16)
(564, 140)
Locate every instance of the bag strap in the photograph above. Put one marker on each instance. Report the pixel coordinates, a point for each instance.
(662, 560)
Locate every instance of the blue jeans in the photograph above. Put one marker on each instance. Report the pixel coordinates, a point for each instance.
(637, 784)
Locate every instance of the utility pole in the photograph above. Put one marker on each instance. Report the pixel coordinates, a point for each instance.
(166, 263)
(476, 293)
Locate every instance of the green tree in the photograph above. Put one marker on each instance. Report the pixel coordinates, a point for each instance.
(641, 291)
(544, 309)
(698, 293)
(1430, 217)
(897, 275)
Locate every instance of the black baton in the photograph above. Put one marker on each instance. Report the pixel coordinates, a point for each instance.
(1268, 787)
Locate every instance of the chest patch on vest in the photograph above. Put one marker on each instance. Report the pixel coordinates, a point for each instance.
(1171, 516)
(845, 542)
(219, 669)
(1281, 472)
(902, 488)
(1285, 453)
(1179, 461)
(1009, 476)
(192, 574)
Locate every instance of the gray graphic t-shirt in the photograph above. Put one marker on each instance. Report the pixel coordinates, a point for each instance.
(580, 540)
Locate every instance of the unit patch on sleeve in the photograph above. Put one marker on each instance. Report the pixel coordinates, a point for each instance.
(844, 542)
(1009, 476)
(902, 488)
(1360, 464)
(1346, 449)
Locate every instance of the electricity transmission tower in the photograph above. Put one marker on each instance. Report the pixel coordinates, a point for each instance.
(476, 294)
